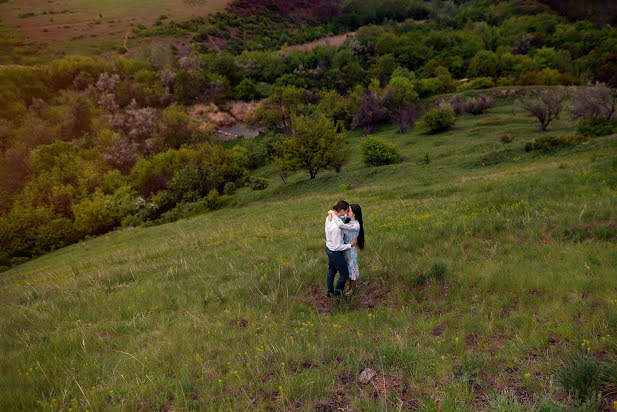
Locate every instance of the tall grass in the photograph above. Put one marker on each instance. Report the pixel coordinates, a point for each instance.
(226, 311)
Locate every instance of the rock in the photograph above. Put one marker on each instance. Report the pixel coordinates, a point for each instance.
(366, 375)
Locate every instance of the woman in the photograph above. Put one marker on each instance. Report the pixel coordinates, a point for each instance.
(352, 231)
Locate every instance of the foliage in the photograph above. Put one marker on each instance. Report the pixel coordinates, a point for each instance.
(474, 105)
(314, 144)
(377, 151)
(581, 378)
(596, 127)
(400, 92)
(595, 102)
(439, 119)
(92, 216)
(405, 117)
(371, 111)
(545, 105)
(229, 188)
(258, 183)
(548, 143)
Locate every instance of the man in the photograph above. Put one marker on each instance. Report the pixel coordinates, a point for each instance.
(335, 249)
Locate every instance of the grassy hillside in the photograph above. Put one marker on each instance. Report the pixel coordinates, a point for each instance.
(487, 271)
(89, 26)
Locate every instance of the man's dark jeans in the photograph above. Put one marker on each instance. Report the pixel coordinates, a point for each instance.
(336, 263)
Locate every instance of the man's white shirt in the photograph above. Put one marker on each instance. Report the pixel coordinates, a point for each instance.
(334, 237)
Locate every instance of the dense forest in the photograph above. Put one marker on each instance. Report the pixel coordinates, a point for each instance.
(88, 144)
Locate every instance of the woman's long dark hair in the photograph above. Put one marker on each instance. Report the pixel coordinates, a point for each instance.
(357, 211)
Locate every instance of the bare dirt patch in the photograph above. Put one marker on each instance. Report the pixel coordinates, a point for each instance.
(439, 330)
(338, 402)
(472, 339)
(316, 297)
(333, 41)
(370, 294)
(212, 116)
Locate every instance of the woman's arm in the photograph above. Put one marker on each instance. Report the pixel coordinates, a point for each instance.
(347, 226)
(330, 215)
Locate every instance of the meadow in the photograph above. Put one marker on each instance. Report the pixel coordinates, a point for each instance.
(92, 27)
(488, 272)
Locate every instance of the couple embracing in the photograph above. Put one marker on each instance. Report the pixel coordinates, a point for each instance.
(344, 235)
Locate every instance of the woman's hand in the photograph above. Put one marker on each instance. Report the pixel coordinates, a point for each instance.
(354, 242)
(330, 215)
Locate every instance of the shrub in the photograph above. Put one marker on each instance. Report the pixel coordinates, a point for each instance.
(258, 183)
(545, 105)
(92, 217)
(581, 378)
(479, 105)
(438, 270)
(212, 201)
(195, 181)
(548, 143)
(596, 127)
(405, 118)
(229, 188)
(378, 152)
(482, 83)
(370, 112)
(506, 138)
(595, 102)
(440, 119)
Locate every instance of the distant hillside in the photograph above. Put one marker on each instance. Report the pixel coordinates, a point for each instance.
(604, 11)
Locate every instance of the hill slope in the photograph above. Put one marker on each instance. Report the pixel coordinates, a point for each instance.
(485, 269)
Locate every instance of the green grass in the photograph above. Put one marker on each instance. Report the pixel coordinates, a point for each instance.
(92, 27)
(477, 288)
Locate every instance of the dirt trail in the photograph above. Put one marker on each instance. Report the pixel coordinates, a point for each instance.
(333, 41)
(126, 39)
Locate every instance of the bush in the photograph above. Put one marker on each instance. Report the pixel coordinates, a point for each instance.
(92, 217)
(479, 105)
(212, 201)
(581, 378)
(545, 105)
(258, 183)
(378, 152)
(548, 143)
(440, 119)
(506, 138)
(438, 271)
(474, 105)
(596, 127)
(482, 83)
(405, 118)
(229, 188)
(597, 101)
(370, 112)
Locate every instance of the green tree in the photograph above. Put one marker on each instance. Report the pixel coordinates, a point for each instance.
(401, 92)
(92, 216)
(484, 63)
(245, 90)
(176, 127)
(313, 145)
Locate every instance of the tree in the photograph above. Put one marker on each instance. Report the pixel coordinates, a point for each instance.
(176, 127)
(314, 144)
(545, 105)
(400, 93)
(370, 112)
(405, 117)
(596, 102)
(485, 63)
(245, 90)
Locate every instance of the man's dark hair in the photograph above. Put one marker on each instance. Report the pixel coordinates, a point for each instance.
(341, 205)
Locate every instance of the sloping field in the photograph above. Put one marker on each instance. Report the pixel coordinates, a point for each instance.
(489, 275)
(94, 21)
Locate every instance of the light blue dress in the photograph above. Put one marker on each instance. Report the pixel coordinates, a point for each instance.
(351, 231)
